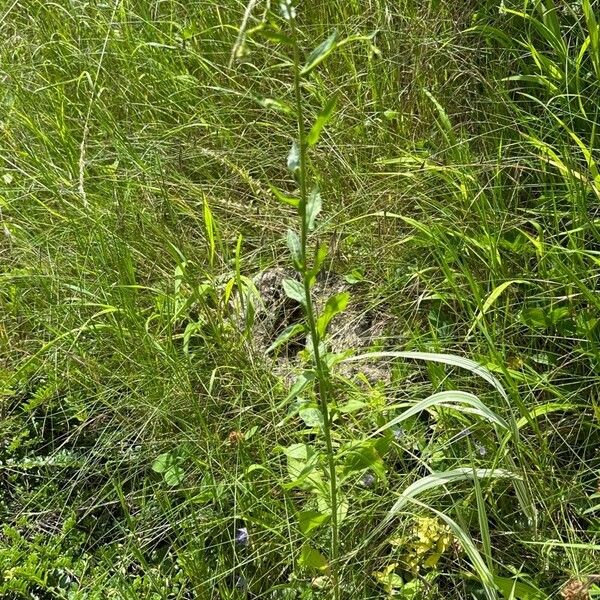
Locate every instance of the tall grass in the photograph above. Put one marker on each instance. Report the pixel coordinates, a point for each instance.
(151, 448)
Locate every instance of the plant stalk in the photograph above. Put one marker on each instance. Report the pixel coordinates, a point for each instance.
(323, 381)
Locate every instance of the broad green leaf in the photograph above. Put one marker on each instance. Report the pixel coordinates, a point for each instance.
(248, 434)
(319, 54)
(255, 467)
(313, 208)
(167, 465)
(453, 399)
(278, 105)
(447, 359)
(174, 475)
(295, 290)
(295, 248)
(413, 590)
(163, 462)
(311, 416)
(389, 579)
(441, 479)
(309, 520)
(286, 335)
(302, 461)
(352, 406)
(365, 457)
(303, 380)
(536, 318)
(324, 503)
(355, 276)
(299, 452)
(517, 589)
(312, 559)
(336, 304)
(342, 509)
(496, 293)
(322, 119)
(320, 256)
(293, 159)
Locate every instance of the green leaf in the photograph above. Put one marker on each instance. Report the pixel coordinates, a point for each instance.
(250, 432)
(295, 290)
(303, 380)
(167, 465)
(336, 304)
(365, 457)
(284, 198)
(312, 559)
(278, 105)
(447, 359)
(342, 509)
(188, 32)
(293, 159)
(389, 579)
(276, 37)
(517, 589)
(163, 462)
(454, 399)
(441, 479)
(496, 293)
(313, 208)
(174, 475)
(301, 464)
(322, 119)
(319, 54)
(320, 256)
(209, 226)
(311, 416)
(309, 520)
(295, 248)
(352, 406)
(489, 302)
(324, 502)
(536, 318)
(285, 336)
(355, 276)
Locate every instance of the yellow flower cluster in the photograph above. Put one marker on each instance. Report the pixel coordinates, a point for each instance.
(424, 544)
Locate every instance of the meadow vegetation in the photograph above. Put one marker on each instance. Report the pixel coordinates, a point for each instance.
(299, 300)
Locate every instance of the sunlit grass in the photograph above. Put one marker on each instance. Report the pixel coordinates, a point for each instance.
(142, 424)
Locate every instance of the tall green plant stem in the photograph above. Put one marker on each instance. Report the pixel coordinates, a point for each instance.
(323, 381)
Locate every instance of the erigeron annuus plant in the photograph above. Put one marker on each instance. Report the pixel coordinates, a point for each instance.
(307, 266)
(304, 461)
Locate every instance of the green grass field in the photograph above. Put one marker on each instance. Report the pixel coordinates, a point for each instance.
(300, 301)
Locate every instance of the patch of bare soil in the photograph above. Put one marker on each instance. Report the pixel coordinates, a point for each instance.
(354, 329)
